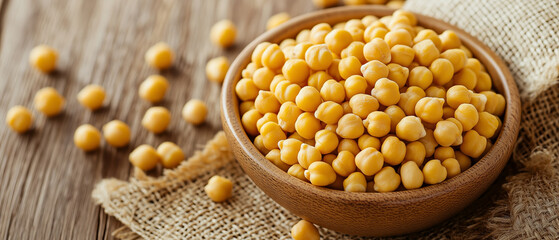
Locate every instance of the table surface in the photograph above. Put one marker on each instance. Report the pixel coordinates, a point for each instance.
(45, 181)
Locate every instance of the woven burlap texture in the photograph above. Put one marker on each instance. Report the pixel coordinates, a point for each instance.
(523, 204)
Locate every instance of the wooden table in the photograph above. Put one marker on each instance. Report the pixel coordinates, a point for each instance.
(45, 181)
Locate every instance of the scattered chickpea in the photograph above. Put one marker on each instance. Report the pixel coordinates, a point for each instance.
(49, 102)
(160, 56)
(87, 137)
(144, 157)
(277, 20)
(91, 96)
(156, 119)
(19, 119)
(305, 230)
(116, 133)
(170, 154)
(219, 189)
(195, 111)
(153, 88)
(216, 69)
(223, 33)
(43, 58)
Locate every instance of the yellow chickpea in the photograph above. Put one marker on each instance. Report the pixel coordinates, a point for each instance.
(223, 33)
(262, 78)
(266, 102)
(398, 37)
(91, 96)
(349, 145)
(329, 158)
(386, 180)
(337, 40)
(268, 117)
(378, 124)
(366, 141)
(305, 230)
(318, 79)
(144, 157)
(216, 69)
(273, 57)
(442, 70)
(307, 125)
(256, 56)
(245, 107)
(319, 32)
(326, 141)
(303, 36)
(396, 114)
(288, 42)
(156, 119)
(289, 149)
(300, 50)
(116, 133)
(318, 57)
(349, 66)
(308, 99)
(487, 125)
(329, 112)
(19, 119)
(350, 126)
(333, 91)
(448, 112)
(153, 88)
(170, 154)
(373, 31)
(87, 137)
(347, 107)
(272, 134)
(429, 142)
(457, 95)
(402, 55)
(287, 116)
(297, 171)
(474, 144)
(495, 103)
(43, 58)
(426, 52)
(457, 57)
(428, 34)
(398, 74)
(409, 99)
(274, 156)
(464, 161)
(479, 101)
(410, 129)
(483, 82)
(435, 91)
(49, 102)
(246, 89)
(369, 161)
(334, 70)
(452, 167)
(465, 77)
(344, 163)
(249, 120)
(368, 20)
(160, 56)
(412, 176)
(458, 123)
(363, 104)
(429, 109)
(434, 172)
(219, 189)
(393, 150)
(373, 71)
(377, 49)
(195, 111)
(295, 71)
(415, 152)
(355, 182)
(449, 40)
(444, 153)
(355, 49)
(467, 115)
(386, 92)
(355, 85)
(277, 19)
(447, 133)
(320, 174)
(308, 155)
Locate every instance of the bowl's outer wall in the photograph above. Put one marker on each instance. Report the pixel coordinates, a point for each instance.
(372, 214)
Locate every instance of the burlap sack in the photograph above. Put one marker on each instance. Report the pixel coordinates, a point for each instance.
(523, 204)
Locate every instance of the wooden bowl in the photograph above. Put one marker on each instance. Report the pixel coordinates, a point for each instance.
(371, 214)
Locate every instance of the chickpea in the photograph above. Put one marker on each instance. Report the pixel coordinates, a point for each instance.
(87, 137)
(386, 92)
(363, 104)
(276, 20)
(49, 102)
(372, 32)
(350, 126)
(347, 107)
(349, 66)
(444, 153)
(355, 85)
(272, 134)
(474, 144)
(223, 33)
(43, 58)
(303, 36)
(289, 150)
(249, 120)
(116, 133)
(398, 74)
(366, 141)
(245, 107)
(452, 167)
(308, 99)
(428, 34)
(156, 119)
(377, 49)
(495, 103)
(259, 144)
(447, 133)
(479, 100)
(426, 52)
(307, 155)
(144, 157)
(449, 40)
(402, 55)
(448, 112)
(288, 42)
(300, 50)
(266, 102)
(412, 176)
(153, 88)
(458, 123)
(19, 119)
(464, 161)
(487, 125)
(386, 180)
(307, 125)
(396, 114)
(355, 182)
(318, 57)
(378, 124)
(483, 82)
(268, 117)
(373, 71)
(369, 161)
(435, 91)
(467, 115)
(457, 57)
(332, 91)
(393, 150)
(305, 230)
(429, 109)
(297, 171)
(329, 112)
(434, 172)
(344, 163)
(216, 69)
(262, 78)
(275, 157)
(195, 111)
(368, 20)
(170, 154)
(334, 70)
(273, 57)
(442, 70)
(219, 189)
(92, 96)
(398, 37)
(457, 95)
(326, 141)
(337, 40)
(355, 49)
(465, 77)
(409, 99)
(415, 152)
(256, 56)
(246, 89)
(429, 142)
(320, 174)
(349, 145)
(410, 129)
(318, 79)
(296, 71)
(319, 32)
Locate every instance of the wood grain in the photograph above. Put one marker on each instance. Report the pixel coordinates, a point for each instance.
(46, 182)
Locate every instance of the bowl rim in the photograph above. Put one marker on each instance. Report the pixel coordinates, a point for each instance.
(510, 127)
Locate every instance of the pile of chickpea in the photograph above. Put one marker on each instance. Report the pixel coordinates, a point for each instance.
(369, 105)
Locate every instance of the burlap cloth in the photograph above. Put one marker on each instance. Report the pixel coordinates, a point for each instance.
(522, 204)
